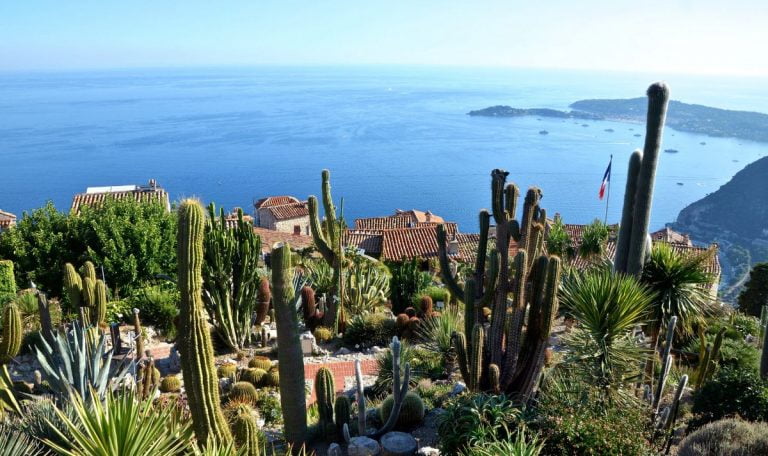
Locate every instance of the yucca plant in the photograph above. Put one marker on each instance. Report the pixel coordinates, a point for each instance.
(77, 365)
(520, 446)
(16, 443)
(607, 307)
(436, 334)
(123, 425)
(681, 284)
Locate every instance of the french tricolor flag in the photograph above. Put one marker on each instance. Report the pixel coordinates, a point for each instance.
(606, 179)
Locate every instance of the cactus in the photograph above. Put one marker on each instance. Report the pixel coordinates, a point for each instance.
(245, 431)
(138, 334)
(170, 384)
(231, 277)
(254, 376)
(290, 356)
(263, 297)
(73, 285)
(99, 311)
(272, 378)
(399, 391)
(88, 270)
(401, 323)
(46, 324)
(636, 213)
(243, 391)
(194, 339)
(261, 362)
(426, 306)
(311, 314)
(517, 353)
(325, 392)
(327, 238)
(12, 333)
(411, 413)
(666, 364)
(342, 409)
(149, 378)
(226, 370)
(323, 334)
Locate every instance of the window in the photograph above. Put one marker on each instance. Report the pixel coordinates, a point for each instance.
(297, 229)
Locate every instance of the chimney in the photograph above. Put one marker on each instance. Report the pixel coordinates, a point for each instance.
(453, 246)
(428, 216)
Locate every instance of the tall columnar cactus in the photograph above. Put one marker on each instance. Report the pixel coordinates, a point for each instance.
(99, 311)
(89, 299)
(290, 356)
(327, 236)
(508, 358)
(312, 315)
(263, 298)
(12, 333)
(138, 334)
(666, 363)
(73, 285)
(194, 341)
(246, 431)
(399, 390)
(636, 213)
(342, 410)
(231, 277)
(88, 270)
(325, 393)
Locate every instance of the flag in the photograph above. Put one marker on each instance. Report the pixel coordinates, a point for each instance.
(606, 179)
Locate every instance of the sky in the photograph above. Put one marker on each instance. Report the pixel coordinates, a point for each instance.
(685, 36)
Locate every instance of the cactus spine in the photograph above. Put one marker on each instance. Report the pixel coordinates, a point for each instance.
(327, 238)
(245, 431)
(325, 392)
(636, 213)
(291, 360)
(194, 338)
(525, 290)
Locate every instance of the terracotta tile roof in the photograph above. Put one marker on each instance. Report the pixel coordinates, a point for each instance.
(231, 219)
(400, 219)
(667, 234)
(7, 220)
(576, 232)
(140, 194)
(370, 241)
(402, 243)
(271, 237)
(289, 211)
(275, 201)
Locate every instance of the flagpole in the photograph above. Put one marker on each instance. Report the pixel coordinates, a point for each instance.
(608, 196)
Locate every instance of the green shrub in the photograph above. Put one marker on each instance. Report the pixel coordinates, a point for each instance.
(408, 280)
(269, 407)
(434, 395)
(733, 353)
(480, 417)
(159, 306)
(729, 393)
(383, 384)
(586, 428)
(118, 311)
(521, 446)
(7, 280)
(368, 330)
(728, 437)
(747, 325)
(434, 292)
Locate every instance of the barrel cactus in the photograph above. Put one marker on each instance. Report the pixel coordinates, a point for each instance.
(272, 378)
(411, 413)
(227, 370)
(170, 384)
(245, 431)
(325, 393)
(260, 362)
(254, 376)
(244, 391)
(194, 340)
(323, 334)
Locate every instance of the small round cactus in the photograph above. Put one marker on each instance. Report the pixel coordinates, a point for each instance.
(260, 362)
(227, 370)
(244, 391)
(170, 384)
(323, 334)
(426, 306)
(272, 378)
(254, 376)
(411, 414)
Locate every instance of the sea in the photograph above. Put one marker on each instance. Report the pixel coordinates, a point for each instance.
(393, 137)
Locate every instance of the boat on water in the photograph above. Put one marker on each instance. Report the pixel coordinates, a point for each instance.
(543, 132)
(637, 135)
(671, 151)
(609, 130)
(680, 183)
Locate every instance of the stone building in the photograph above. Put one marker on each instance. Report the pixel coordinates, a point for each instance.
(282, 213)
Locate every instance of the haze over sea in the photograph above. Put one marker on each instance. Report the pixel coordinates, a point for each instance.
(393, 137)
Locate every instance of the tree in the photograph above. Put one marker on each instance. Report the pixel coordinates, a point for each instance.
(755, 293)
(558, 240)
(594, 239)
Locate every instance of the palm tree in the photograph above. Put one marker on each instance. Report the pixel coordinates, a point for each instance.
(607, 306)
(681, 284)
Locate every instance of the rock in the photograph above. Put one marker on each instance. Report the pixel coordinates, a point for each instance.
(428, 451)
(376, 349)
(398, 444)
(458, 388)
(307, 343)
(225, 383)
(334, 450)
(342, 351)
(363, 446)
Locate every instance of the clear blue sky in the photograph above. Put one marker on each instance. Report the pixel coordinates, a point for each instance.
(690, 36)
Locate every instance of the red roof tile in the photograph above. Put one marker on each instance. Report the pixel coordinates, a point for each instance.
(366, 240)
(141, 194)
(271, 237)
(401, 219)
(289, 211)
(275, 201)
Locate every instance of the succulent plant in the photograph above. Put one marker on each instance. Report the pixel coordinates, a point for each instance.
(411, 413)
(323, 334)
(325, 392)
(227, 370)
(260, 362)
(170, 384)
(243, 391)
(254, 376)
(245, 431)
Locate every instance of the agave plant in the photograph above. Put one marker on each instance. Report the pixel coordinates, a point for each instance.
(436, 334)
(41, 421)
(78, 364)
(16, 443)
(320, 275)
(123, 425)
(520, 446)
(607, 306)
(367, 286)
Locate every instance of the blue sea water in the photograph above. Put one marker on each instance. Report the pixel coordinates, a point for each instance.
(393, 137)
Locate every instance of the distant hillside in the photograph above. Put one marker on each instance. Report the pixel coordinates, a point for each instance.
(736, 217)
(686, 117)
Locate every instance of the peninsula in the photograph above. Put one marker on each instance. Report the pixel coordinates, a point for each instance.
(685, 117)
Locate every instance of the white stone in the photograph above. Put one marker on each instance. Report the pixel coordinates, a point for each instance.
(458, 388)
(363, 446)
(428, 451)
(307, 343)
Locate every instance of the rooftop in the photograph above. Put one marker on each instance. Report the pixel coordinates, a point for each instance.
(7, 220)
(271, 201)
(95, 196)
(272, 237)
